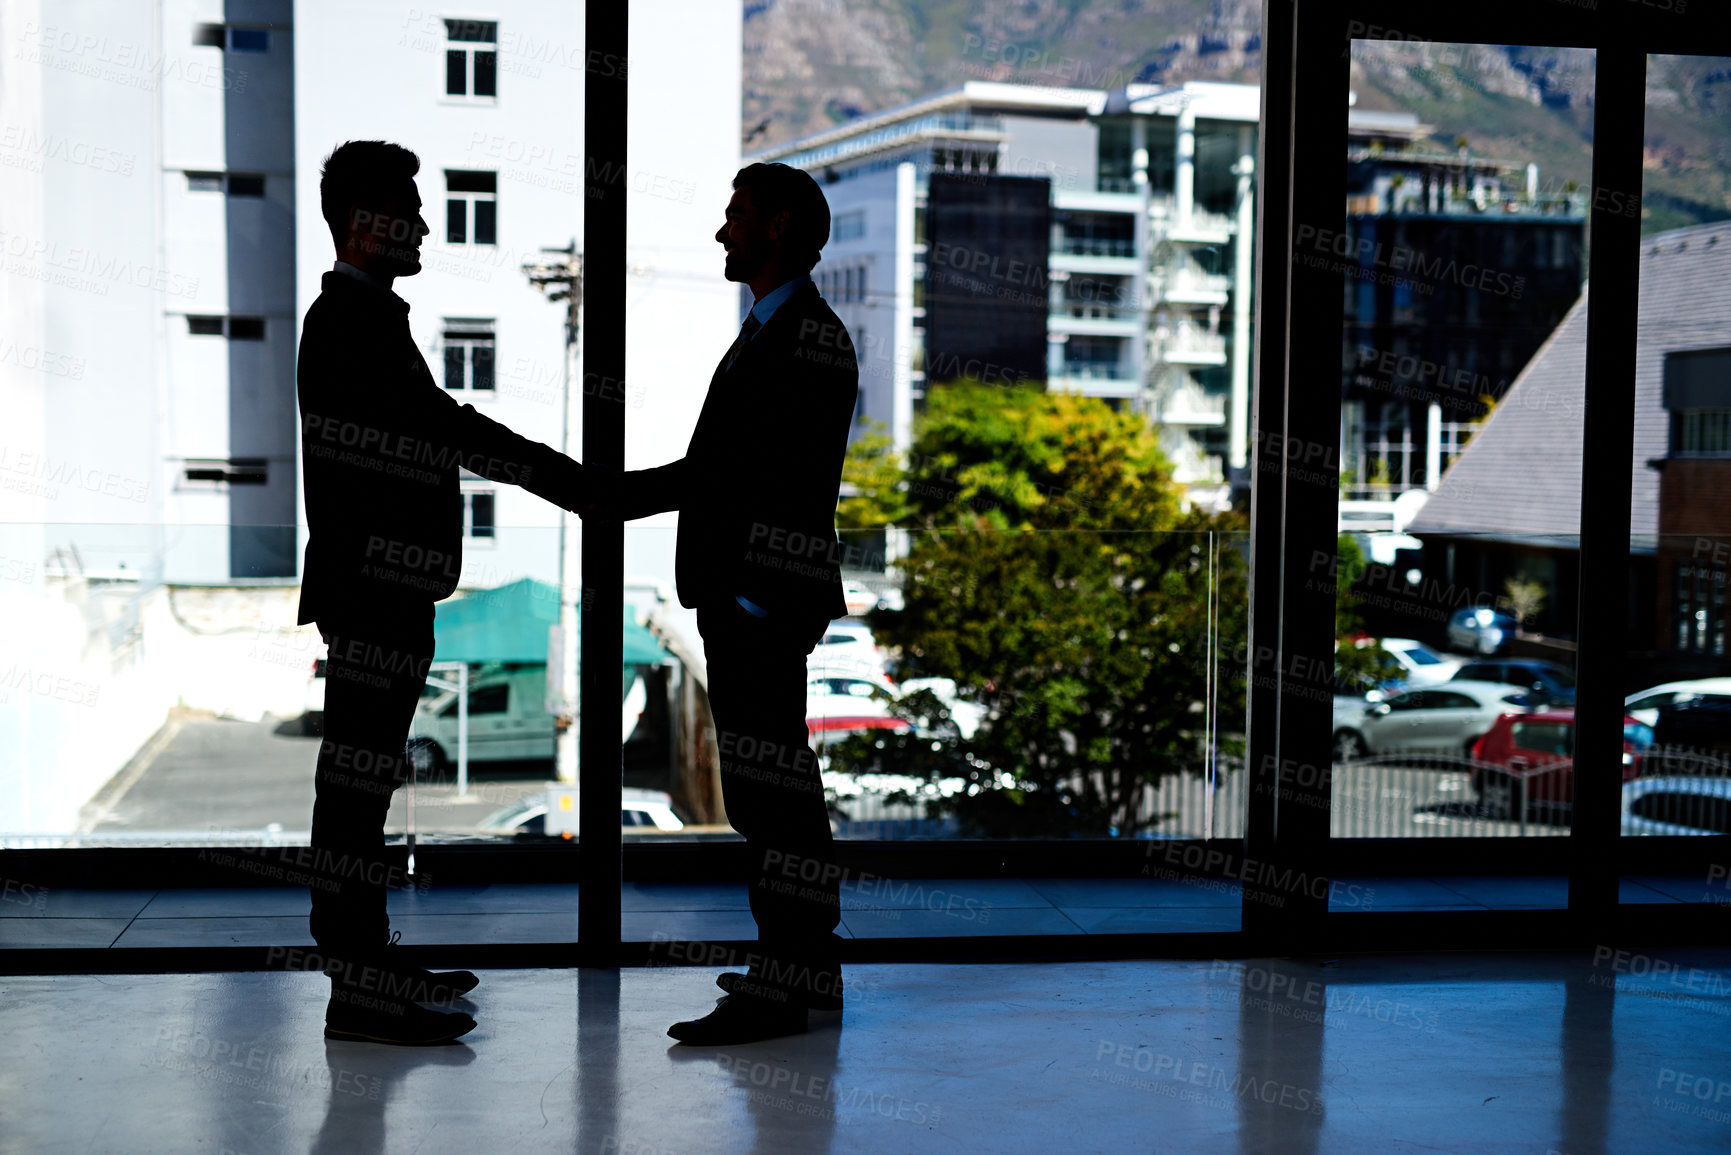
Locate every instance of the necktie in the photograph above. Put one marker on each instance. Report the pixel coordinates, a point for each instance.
(746, 331)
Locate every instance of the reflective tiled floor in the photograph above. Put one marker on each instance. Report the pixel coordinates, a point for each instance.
(1575, 1054)
(547, 913)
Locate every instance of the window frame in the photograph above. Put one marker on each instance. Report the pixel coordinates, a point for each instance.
(471, 50)
(470, 199)
(471, 334)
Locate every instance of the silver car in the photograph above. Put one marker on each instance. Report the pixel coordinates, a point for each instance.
(1445, 719)
(1481, 631)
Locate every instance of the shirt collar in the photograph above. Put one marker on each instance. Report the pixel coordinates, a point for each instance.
(766, 305)
(362, 276)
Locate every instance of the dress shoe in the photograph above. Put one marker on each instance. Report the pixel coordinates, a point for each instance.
(739, 1019)
(825, 995)
(366, 1018)
(422, 985)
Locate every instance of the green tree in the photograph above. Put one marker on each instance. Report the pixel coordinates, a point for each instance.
(1357, 669)
(1053, 575)
(871, 478)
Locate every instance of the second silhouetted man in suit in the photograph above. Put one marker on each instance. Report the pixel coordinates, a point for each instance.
(758, 558)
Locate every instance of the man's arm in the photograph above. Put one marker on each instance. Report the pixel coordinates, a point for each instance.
(496, 452)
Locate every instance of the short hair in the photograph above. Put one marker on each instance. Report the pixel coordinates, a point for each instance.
(361, 172)
(775, 187)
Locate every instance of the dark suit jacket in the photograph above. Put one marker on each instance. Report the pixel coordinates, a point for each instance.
(381, 445)
(758, 486)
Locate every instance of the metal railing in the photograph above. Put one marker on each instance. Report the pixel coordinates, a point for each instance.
(1095, 246)
(1412, 795)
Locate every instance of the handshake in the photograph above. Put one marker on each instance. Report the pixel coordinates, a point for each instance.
(598, 490)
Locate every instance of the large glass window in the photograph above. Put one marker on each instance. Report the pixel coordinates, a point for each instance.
(1461, 263)
(1676, 754)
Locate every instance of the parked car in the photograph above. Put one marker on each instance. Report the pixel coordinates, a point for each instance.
(1481, 631)
(1532, 756)
(849, 685)
(1647, 703)
(1693, 735)
(859, 597)
(1688, 804)
(847, 648)
(1554, 683)
(508, 720)
(1422, 665)
(1443, 719)
(639, 810)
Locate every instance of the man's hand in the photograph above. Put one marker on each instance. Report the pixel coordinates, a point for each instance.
(598, 491)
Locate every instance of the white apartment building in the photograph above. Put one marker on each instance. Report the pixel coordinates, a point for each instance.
(161, 231)
(160, 239)
(1149, 270)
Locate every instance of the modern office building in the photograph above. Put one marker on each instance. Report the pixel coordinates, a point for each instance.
(1462, 270)
(1145, 288)
(1139, 282)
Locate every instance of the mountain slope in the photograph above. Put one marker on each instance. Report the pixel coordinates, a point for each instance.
(812, 64)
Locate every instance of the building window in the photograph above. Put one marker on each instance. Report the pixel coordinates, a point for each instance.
(471, 207)
(219, 472)
(1699, 600)
(235, 328)
(478, 521)
(469, 354)
(472, 58)
(849, 226)
(1703, 433)
(238, 184)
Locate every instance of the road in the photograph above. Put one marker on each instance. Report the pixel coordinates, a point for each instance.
(218, 775)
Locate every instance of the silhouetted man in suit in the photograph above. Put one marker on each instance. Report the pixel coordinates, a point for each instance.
(382, 444)
(757, 557)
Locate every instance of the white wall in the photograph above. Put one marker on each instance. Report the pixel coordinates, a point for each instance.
(84, 281)
(682, 314)
(532, 136)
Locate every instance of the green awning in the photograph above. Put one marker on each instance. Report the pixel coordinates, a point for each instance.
(510, 624)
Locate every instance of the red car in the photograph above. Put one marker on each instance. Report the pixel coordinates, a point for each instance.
(1537, 751)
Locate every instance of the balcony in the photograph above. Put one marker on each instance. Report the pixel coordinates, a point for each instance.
(1202, 228)
(1091, 317)
(1187, 286)
(1098, 371)
(1096, 379)
(1072, 246)
(1188, 405)
(1186, 347)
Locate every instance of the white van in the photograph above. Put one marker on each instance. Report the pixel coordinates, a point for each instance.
(508, 718)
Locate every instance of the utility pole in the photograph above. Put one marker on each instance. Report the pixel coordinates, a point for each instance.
(560, 276)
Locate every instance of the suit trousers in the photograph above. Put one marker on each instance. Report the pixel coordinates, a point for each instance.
(374, 674)
(773, 792)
